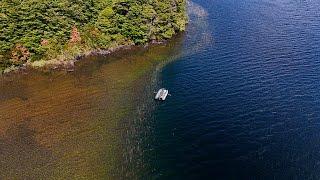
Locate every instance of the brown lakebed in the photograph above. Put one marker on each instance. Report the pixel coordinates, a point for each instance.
(86, 124)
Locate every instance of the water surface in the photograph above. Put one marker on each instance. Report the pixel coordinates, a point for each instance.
(88, 124)
(245, 105)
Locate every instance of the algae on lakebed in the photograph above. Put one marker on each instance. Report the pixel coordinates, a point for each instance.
(85, 124)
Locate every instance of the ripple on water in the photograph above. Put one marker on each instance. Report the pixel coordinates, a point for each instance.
(244, 106)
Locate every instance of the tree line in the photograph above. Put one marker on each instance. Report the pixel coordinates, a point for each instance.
(32, 30)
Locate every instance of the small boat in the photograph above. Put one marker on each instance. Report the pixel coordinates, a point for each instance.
(162, 94)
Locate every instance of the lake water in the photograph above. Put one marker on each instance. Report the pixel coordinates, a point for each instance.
(245, 103)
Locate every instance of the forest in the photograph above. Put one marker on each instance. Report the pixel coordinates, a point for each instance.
(41, 30)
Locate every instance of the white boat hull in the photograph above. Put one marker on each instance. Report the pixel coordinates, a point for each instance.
(161, 94)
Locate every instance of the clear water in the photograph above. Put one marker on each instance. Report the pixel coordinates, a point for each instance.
(88, 124)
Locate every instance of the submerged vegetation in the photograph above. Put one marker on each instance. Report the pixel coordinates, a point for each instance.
(38, 30)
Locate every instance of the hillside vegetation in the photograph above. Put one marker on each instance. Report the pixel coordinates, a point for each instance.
(33, 30)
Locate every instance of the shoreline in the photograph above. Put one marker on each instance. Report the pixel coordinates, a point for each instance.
(69, 65)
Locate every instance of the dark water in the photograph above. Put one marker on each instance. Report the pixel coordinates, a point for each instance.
(246, 99)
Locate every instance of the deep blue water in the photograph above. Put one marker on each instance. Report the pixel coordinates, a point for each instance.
(245, 98)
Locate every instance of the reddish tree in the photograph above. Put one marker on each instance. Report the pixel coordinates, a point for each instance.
(20, 54)
(75, 35)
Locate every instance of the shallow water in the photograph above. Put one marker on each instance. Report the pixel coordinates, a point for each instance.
(244, 105)
(87, 124)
